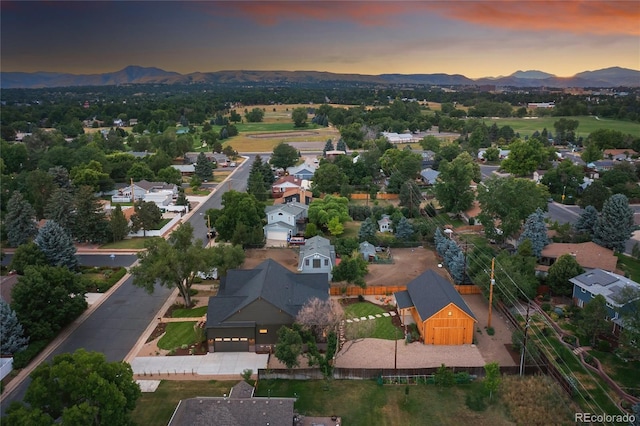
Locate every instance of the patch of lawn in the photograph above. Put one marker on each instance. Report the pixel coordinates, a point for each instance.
(156, 408)
(625, 374)
(178, 334)
(630, 266)
(131, 243)
(527, 126)
(189, 313)
(162, 223)
(364, 402)
(384, 328)
(351, 229)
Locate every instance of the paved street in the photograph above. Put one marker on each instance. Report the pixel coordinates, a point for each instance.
(115, 326)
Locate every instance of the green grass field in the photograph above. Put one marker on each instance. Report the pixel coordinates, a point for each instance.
(178, 334)
(625, 374)
(189, 313)
(526, 126)
(630, 266)
(384, 329)
(132, 243)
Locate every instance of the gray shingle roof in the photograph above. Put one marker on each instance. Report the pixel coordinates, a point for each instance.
(403, 299)
(608, 284)
(430, 293)
(268, 281)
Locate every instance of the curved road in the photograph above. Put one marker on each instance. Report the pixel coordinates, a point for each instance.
(115, 326)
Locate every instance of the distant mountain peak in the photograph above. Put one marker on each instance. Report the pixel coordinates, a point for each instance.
(532, 74)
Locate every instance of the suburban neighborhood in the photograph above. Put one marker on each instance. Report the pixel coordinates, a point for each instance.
(278, 276)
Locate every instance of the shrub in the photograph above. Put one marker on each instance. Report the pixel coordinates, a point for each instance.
(21, 359)
(360, 298)
(604, 346)
(476, 401)
(546, 307)
(491, 331)
(462, 378)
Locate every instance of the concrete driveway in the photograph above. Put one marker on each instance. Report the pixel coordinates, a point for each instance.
(211, 364)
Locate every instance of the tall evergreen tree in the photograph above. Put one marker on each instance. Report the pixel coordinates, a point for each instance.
(535, 230)
(615, 224)
(586, 223)
(457, 267)
(328, 146)
(203, 167)
(367, 231)
(56, 244)
(341, 145)
(20, 220)
(60, 208)
(146, 217)
(256, 184)
(404, 229)
(91, 223)
(13, 339)
(118, 224)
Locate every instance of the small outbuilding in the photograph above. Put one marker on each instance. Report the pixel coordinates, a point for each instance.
(442, 316)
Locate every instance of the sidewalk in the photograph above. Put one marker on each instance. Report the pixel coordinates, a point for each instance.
(211, 364)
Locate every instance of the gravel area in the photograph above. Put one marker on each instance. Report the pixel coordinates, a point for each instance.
(379, 353)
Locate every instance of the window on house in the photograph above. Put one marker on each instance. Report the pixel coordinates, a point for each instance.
(263, 331)
(583, 290)
(316, 263)
(609, 305)
(306, 262)
(593, 296)
(326, 262)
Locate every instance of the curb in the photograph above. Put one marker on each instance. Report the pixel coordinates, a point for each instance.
(59, 339)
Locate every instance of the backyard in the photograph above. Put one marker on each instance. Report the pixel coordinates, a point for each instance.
(379, 328)
(365, 402)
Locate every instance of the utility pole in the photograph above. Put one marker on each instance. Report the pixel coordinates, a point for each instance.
(491, 284)
(524, 342)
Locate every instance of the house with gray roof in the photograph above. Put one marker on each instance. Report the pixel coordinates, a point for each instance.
(239, 408)
(285, 221)
(253, 304)
(304, 171)
(367, 250)
(440, 313)
(429, 176)
(317, 256)
(611, 286)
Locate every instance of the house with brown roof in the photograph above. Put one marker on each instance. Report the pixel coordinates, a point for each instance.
(298, 195)
(286, 183)
(589, 255)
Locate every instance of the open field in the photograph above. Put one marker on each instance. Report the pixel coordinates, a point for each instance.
(526, 126)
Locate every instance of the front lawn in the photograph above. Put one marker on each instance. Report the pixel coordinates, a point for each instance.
(190, 313)
(630, 266)
(177, 335)
(131, 244)
(383, 329)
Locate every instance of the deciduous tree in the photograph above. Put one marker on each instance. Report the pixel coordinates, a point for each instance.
(28, 254)
(319, 316)
(80, 389)
(289, 347)
(351, 269)
(492, 378)
(524, 157)
(284, 155)
(453, 188)
(593, 320)
(238, 208)
(46, 299)
(594, 195)
(565, 268)
(299, 117)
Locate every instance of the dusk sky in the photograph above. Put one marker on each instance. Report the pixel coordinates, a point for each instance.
(474, 38)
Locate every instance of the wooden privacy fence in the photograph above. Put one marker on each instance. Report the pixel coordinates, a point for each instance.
(387, 290)
(374, 373)
(378, 290)
(379, 196)
(468, 289)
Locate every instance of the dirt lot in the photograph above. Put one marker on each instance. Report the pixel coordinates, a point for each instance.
(408, 264)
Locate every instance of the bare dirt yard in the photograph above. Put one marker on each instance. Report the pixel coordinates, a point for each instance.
(408, 264)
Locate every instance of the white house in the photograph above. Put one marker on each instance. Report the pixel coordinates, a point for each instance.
(284, 221)
(385, 223)
(317, 255)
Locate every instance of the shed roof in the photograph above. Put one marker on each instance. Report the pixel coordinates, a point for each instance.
(430, 293)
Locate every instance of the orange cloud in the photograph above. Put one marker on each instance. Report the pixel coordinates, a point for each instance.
(580, 17)
(576, 16)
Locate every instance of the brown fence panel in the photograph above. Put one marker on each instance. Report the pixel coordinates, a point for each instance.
(378, 290)
(468, 289)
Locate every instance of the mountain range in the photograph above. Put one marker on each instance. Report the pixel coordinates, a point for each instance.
(607, 77)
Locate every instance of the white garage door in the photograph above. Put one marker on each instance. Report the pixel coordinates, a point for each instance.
(277, 235)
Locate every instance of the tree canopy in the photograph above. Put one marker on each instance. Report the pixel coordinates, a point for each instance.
(322, 210)
(56, 244)
(507, 202)
(453, 188)
(176, 261)
(615, 223)
(78, 389)
(240, 220)
(284, 155)
(563, 269)
(13, 339)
